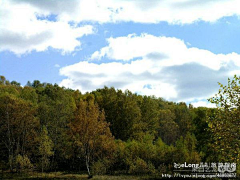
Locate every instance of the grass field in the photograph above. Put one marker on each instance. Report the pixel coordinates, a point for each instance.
(62, 175)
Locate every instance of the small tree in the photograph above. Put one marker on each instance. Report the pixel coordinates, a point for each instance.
(45, 148)
(91, 132)
(186, 150)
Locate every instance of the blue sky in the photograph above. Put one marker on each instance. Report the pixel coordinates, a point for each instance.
(177, 50)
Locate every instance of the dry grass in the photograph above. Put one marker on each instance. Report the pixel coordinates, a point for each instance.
(65, 176)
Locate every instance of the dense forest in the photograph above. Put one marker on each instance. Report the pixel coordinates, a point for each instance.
(47, 128)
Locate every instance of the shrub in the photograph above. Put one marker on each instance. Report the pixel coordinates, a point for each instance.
(23, 163)
(99, 167)
(141, 167)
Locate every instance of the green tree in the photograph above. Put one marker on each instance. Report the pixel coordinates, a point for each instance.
(56, 108)
(168, 129)
(122, 111)
(164, 153)
(3, 80)
(225, 123)
(183, 118)
(186, 149)
(45, 148)
(149, 116)
(15, 83)
(201, 131)
(29, 94)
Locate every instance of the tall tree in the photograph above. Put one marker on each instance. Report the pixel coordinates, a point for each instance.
(18, 126)
(122, 111)
(56, 108)
(201, 131)
(91, 132)
(168, 129)
(45, 148)
(186, 149)
(149, 116)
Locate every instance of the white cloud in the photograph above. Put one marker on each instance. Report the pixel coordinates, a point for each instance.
(152, 11)
(22, 32)
(166, 51)
(57, 66)
(87, 76)
(165, 67)
(203, 104)
(132, 46)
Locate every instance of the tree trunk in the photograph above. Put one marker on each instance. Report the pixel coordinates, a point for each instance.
(10, 154)
(87, 164)
(42, 164)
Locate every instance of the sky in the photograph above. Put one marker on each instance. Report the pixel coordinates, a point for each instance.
(177, 50)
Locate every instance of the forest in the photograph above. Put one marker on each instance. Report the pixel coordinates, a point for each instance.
(48, 128)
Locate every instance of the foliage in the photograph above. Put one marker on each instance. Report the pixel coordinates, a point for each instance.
(224, 124)
(121, 109)
(45, 148)
(139, 166)
(101, 166)
(23, 163)
(110, 131)
(91, 132)
(168, 129)
(18, 127)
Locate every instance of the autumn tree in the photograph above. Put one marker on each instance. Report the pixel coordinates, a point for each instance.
(91, 132)
(18, 127)
(66, 130)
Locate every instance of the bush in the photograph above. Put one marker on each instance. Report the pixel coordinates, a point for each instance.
(162, 169)
(23, 163)
(99, 168)
(141, 167)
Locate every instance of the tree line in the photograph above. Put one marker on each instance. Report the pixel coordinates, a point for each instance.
(44, 127)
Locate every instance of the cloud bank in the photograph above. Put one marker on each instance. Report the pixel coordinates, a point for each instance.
(33, 25)
(142, 11)
(151, 65)
(22, 30)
